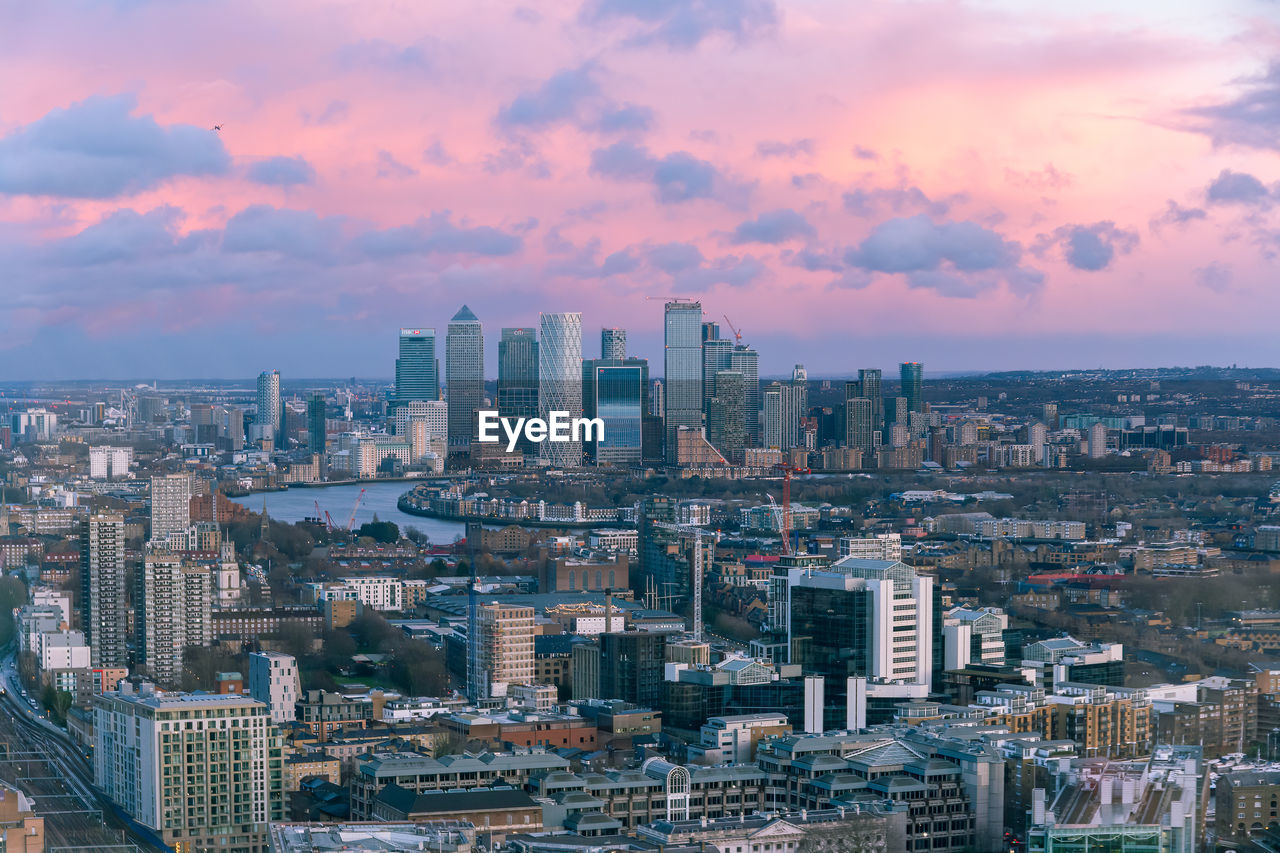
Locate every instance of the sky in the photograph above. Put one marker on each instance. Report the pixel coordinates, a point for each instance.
(974, 185)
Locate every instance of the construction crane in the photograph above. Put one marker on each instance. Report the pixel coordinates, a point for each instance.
(354, 509)
(324, 514)
(787, 470)
(737, 335)
(778, 514)
(698, 569)
(669, 299)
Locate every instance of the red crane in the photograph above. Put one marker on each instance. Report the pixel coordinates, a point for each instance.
(737, 335)
(354, 510)
(324, 513)
(787, 470)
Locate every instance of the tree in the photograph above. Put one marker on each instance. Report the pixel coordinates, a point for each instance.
(387, 532)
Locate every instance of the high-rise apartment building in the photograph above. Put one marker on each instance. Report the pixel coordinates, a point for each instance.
(785, 404)
(317, 432)
(110, 463)
(274, 681)
(717, 355)
(417, 367)
(682, 370)
(614, 390)
(613, 344)
(170, 505)
(518, 378)
(631, 667)
(173, 608)
(464, 377)
(870, 384)
(103, 596)
(859, 419)
(270, 419)
(503, 649)
(203, 771)
(560, 381)
(746, 361)
(912, 374)
(726, 415)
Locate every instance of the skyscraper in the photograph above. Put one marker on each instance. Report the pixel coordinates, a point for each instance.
(785, 404)
(270, 408)
(869, 380)
(913, 385)
(417, 368)
(682, 370)
(613, 344)
(858, 423)
(503, 648)
(717, 355)
(746, 361)
(316, 429)
(464, 377)
(560, 381)
(726, 418)
(518, 377)
(103, 617)
(614, 390)
(170, 505)
(173, 611)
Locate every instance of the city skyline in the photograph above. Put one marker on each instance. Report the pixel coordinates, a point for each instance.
(965, 184)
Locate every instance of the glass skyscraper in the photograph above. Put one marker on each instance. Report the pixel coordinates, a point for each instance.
(417, 369)
(682, 370)
(614, 390)
(316, 434)
(913, 385)
(518, 377)
(464, 377)
(717, 355)
(726, 418)
(746, 361)
(560, 381)
(270, 406)
(613, 343)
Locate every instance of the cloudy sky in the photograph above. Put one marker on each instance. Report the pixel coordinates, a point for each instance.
(985, 184)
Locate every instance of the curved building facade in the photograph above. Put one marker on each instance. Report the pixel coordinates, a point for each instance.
(560, 381)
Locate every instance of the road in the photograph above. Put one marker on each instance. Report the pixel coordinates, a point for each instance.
(40, 759)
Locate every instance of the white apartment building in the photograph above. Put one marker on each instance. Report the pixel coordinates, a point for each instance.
(882, 546)
(175, 612)
(203, 771)
(379, 592)
(62, 650)
(274, 680)
(170, 505)
(973, 637)
(109, 463)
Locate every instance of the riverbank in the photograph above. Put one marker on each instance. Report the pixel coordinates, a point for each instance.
(408, 509)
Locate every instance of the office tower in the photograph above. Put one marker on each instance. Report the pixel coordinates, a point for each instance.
(1050, 415)
(170, 505)
(710, 332)
(657, 400)
(203, 771)
(464, 377)
(502, 647)
(417, 368)
(614, 391)
(746, 361)
(631, 667)
(518, 378)
(173, 610)
(785, 403)
(202, 423)
(858, 422)
(273, 680)
(560, 382)
(233, 428)
(682, 370)
(613, 344)
(103, 597)
(861, 617)
(270, 418)
(912, 373)
(666, 557)
(717, 355)
(726, 416)
(869, 380)
(317, 434)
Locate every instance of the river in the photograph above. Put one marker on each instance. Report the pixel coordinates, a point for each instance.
(296, 504)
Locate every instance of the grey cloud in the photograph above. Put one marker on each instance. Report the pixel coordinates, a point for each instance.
(557, 99)
(774, 226)
(788, 150)
(1215, 276)
(731, 270)
(121, 235)
(416, 58)
(1176, 214)
(814, 261)
(677, 177)
(295, 233)
(1237, 188)
(390, 167)
(438, 234)
(1090, 247)
(97, 149)
(436, 154)
(282, 172)
(865, 153)
(1251, 119)
(900, 199)
(684, 24)
(624, 118)
(672, 258)
(334, 112)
